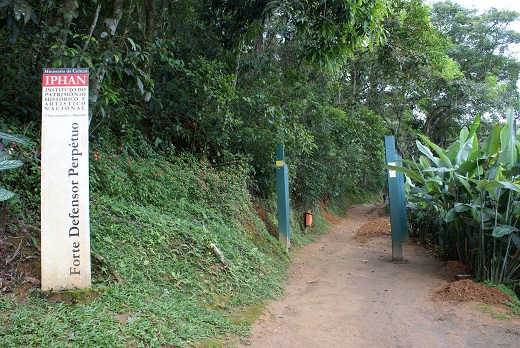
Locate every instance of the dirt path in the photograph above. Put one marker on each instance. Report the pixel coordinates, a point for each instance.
(346, 292)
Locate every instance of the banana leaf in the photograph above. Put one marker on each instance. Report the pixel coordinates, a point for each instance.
(491, 143)
(516, 240)
(451, 215)
(426, 151)
(454, 212)
(510, 185)
(438, 170)
(408, 172)
(443, 159)
(464, 183)
(463, 135)
(464, 152)
(509, 154)
(488, 186)
(474, 126)
(453, 149)
(467, 167)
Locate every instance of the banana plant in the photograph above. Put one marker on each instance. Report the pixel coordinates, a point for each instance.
(469, 193)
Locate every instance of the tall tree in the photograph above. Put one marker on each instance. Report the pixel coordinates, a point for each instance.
(393, 78)
(329, 31)
(481, 47)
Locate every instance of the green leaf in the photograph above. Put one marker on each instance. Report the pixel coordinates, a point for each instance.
(411, 163)
(509, 155)
(132, 43)
(490, 145)
(453, 149)
(451, 215)
(4, 156)
(140, 84)
(489, 186)
(464, 183)
(26, 11)
(503, 230)
(88, 60)
(516, 240)
(6, 194)
(474, 126)
(10, 164)
(7, 137)
(444, 160)
(408, 172)
(467, 167)
(438, 150)
(511, 186)
(426, 151)
(464, 151)
(424, 163)
(438, 170)
(487, 214)
(463, 136)
(460, 207)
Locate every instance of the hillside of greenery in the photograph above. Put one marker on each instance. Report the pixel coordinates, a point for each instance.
(158, 280)
(188, 101)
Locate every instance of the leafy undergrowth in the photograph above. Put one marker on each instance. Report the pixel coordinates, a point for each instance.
(156, 223)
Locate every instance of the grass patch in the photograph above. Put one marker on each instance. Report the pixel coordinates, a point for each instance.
(247, 316)
(487, 309)
(514, 304)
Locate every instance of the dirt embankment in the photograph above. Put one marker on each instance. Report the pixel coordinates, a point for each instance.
(345, 291)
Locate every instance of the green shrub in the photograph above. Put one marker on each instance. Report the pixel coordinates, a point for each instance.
(468, 195)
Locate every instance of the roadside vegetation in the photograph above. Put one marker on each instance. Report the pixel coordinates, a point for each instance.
(467, 197)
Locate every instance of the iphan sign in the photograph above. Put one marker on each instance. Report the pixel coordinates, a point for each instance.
(65, 218)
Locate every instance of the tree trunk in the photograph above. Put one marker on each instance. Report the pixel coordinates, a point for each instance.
(259, 38)
(64, 19)
(149, 8)
(112, 12)
(149, 34)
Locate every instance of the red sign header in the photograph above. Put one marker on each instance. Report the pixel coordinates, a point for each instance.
(50, 80)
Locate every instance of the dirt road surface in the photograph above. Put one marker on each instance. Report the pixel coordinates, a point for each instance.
(345, 291)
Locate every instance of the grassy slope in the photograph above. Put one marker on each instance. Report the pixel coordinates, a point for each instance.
(153, 221)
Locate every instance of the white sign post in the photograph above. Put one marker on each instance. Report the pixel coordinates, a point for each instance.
(65, 222)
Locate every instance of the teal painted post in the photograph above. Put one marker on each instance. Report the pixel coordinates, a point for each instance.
(282, 194)
(403, 219)
(393, 196)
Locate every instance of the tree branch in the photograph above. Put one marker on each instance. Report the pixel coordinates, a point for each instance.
(94, 23)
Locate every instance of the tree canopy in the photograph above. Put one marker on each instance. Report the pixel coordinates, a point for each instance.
(228, 80)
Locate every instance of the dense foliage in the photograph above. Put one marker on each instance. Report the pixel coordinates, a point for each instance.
(229, 81)
(468, 197)
(8, 143)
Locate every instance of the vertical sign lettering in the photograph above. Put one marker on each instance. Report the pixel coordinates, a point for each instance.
(65, 237)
